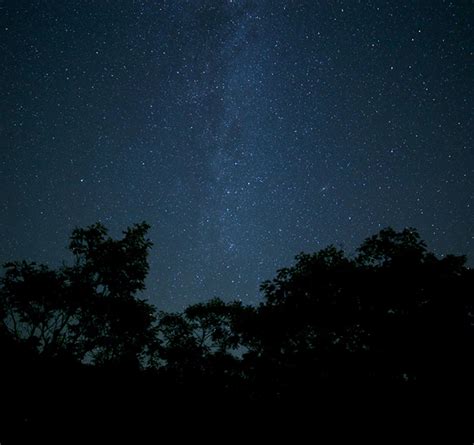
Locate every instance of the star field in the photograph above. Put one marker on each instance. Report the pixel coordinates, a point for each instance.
(244, 132)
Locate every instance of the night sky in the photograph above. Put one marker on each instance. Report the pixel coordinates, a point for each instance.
(244, 132)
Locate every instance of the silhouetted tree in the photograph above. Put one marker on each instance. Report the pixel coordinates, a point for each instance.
(203, 341)
(414, 305)
(390, 318)
(212, 324)
(394, 313)
(37, 309)
(88, 311)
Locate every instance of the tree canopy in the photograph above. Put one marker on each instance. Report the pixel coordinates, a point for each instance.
(392, 315)
(88, 311)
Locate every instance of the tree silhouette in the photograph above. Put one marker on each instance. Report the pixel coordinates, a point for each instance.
(391, 319)
(202, 343)
(87, 311)
(393, 313)
(415, 305)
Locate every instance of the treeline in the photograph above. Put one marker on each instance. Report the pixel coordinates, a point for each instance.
(392, 316)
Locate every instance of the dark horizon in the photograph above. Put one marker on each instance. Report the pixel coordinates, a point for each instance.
(338, 339)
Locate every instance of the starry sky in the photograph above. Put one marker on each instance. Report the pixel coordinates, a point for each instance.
(243, 131)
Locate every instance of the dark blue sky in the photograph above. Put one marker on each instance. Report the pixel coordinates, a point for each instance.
(243, 131)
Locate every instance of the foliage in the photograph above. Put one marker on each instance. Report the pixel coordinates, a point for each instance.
(88, 311)
(393, 313)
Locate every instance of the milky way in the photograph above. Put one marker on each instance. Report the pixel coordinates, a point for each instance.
(244, 132)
